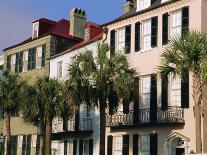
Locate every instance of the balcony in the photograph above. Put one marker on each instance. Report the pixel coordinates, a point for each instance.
(58, 125)
(172, 115)
(70, 129)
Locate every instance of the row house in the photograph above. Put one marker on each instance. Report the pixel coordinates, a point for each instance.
(161, 121)
(30, 59)
(78, 135)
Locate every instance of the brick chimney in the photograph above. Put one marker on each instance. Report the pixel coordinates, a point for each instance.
(77, 20)
(129, 5)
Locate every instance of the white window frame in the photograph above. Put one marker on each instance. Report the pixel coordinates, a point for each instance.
(25, 60)
(121, 39)
(39, 56)
(70, 148)
(117, 145)
(176, 26)
(175, 91)
(13, 59)
(145, 91)
(60, 69)
(144, 146)
(35, 30)
(143, 4)
(146, 35)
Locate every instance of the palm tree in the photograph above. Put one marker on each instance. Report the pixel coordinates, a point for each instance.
(10, 88)
(101, 81)
(41, 103)
(183, 55)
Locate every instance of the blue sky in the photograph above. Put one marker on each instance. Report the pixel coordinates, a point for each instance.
(16, 16)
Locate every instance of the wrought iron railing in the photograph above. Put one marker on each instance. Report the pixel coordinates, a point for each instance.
(172, 114)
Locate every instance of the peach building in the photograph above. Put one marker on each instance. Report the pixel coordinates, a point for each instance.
(161, 122)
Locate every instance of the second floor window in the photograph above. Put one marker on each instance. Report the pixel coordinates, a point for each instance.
(117, 145)
(144, 144)
(175, 91)
(59, 69)
(32, 59)
(121, 39)
(19, 62)
(176, 23)
(25, 61)
(145, 92)
(26, 144)
(39, 56)
(147, 35)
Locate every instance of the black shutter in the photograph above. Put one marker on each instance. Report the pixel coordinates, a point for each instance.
(136, 102)
(110, 145)
(112, 42)
(28, 144)
(128, 39)
(8, 64)
(154, 30)
(137, 37)
(135, 144)
(65, 147)
(164, 93)
(153, 99)
(38, 145)
(153, 144)
(125, 150)
(185, 20)
(80, 147)
(91, 147)
(24, 145)
(74, 147)
(34, 58)
(185, 90)
(20, 61)
(43, 54)
(17, 63)
(165, 28)
(125, 107)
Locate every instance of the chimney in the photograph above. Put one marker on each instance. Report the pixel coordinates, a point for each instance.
(77, 20)
(129, 5)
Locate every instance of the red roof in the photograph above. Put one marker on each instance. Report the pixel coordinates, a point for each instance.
(49, 27)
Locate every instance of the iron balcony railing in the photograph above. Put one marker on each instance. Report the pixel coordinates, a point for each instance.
(58, 125)
(173, 114)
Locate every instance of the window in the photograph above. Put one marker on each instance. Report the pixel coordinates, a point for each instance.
(118, 145)
(70, 148)
(37, 145)
(145, 92)
(121, 39)
(59, 69)
(144, 144)
(13, 59)
(175, 91)
(147, 35)
(32, 59)
(86, 147)
(143, 4)
(25, 61)
(19, 62)
(26, 145)
(35, 30)
(176, 23)
(39, 56)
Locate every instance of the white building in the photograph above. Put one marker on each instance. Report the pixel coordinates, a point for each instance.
(76, 137)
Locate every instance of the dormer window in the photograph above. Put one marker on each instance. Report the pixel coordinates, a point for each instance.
(35, 31)
(87, 34)
(143, 4)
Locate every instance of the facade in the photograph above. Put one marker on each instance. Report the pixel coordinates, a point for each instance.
(80, 134)
(30, 59)
(161, 121)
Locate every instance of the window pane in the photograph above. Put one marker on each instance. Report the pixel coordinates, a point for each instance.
(175, 91)
(117, 146)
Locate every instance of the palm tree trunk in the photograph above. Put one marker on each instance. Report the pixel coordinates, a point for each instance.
(205, 132)
(102, 126)
(8, 132)
(48, 135)
(42, 138)
(197, 97)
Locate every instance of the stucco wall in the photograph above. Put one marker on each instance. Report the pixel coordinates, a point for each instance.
(147, 62)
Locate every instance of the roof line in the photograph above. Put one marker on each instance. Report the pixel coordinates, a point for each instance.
(139, 12)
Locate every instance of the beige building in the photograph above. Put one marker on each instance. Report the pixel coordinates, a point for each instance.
(30, 59)
(162, 121)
